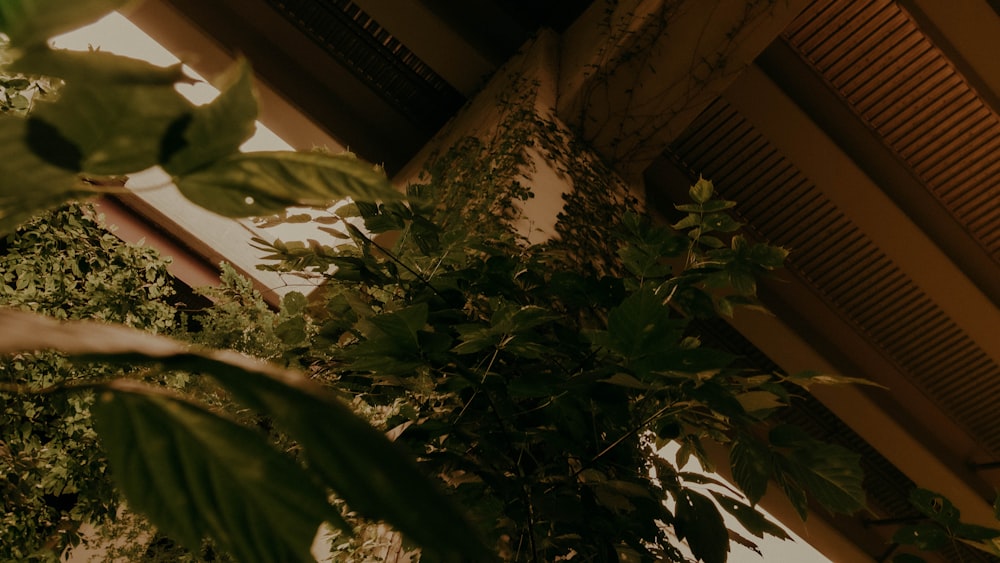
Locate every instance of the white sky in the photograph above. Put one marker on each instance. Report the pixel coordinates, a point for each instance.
(118, 35)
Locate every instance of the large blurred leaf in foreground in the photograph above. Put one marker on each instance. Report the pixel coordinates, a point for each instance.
(359, 463)
(191, 471)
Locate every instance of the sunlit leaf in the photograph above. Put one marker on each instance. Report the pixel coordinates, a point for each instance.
(194, 473)
(702, 191)
(28, 22)
(217, 129)
(806, 379)
(265, 182)
(95, 67)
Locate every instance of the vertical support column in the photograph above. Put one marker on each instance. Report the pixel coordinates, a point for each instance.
(508, 157)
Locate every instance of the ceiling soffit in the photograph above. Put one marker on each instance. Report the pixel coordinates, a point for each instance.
(376, 57)
(845, 267)
(876, 59)
(872, 58)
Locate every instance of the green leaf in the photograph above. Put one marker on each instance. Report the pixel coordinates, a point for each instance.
(642, 324)
(926, 537)
(752, 468)
(624, 380)
(217, 129)
(118, 129)
(357, 461)
(28, 184)
(805, 379)
(755, 522)
(830, 473)
(720, 222)
(293, 303)
(907, 558)
(292, 332)
(99, 67)
(702, 191)
(697, 520)
(935, 506)
(974, 532)
(264, 182)
(712, 206)
(194, 473)
(29, 22)
(990, 546)
(753, 401)
(691, 220)
(767, 256)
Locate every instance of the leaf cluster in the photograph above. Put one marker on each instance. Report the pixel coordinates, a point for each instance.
(939, 526)
(66, 265)
(538, 394)
(116, 115)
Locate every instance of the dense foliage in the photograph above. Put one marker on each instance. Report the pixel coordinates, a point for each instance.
(539, 395)
(65, 265)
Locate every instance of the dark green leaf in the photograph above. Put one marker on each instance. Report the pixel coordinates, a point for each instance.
(194, 474)
(217, 129)
(698, 521)
(692, 220)
(625, 380)
(767, 256)
(935, 506)
(264, 182)
(642, 324)
(752, 467)
(926, 537)
(755, 522)
(98, 67)
(720, 222)
(292, 332)
(796, 495)
(830, 473)
(30, 22)
(28, 184)
(118, 129)
(974, 532)
(705, 479)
